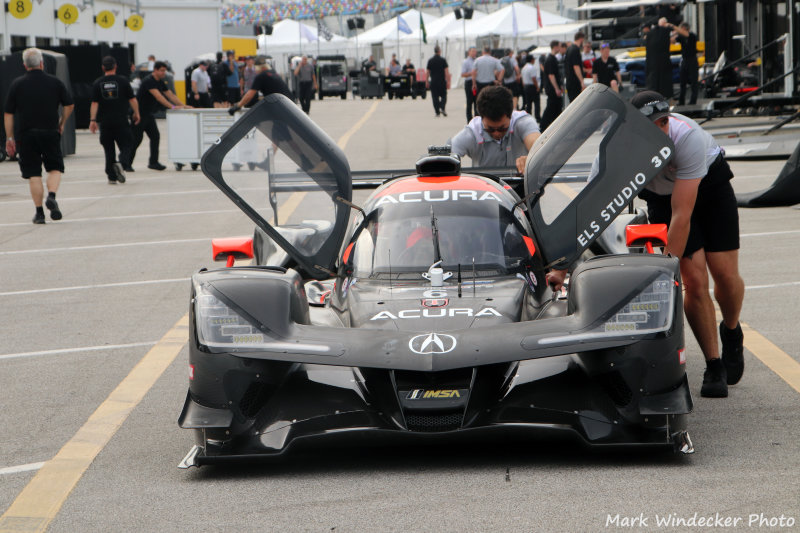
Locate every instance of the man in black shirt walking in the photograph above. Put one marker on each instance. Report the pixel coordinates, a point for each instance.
(36, 97)
(111, 96)
(689, 65)
(552, 87)
(153, 92)
(438, 72)
(573, 66)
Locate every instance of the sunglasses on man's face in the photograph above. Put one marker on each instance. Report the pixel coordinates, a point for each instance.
(654, 107)
(501, 129)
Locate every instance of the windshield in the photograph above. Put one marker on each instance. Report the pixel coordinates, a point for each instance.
(400, 238)
(331, 69)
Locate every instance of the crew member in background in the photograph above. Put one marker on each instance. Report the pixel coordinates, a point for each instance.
(36, 97)
(658, 66)
(605, 69)
(306, 83)
(694, 197)
(689, 65)
(531, 77)
(466, 74)
(438, 73)
(552, 87)
(232, 81)
(154, 92)
(267, 82)
(201, 85)
(112, 98)
(511, 75)
(500, 136)
(588, 55)
(573, 67)
(487, 71)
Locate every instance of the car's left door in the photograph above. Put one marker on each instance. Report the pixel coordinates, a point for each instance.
(299, 175)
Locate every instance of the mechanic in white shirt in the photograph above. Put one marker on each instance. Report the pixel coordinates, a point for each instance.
(201, 83)
(499, 136)
(487, 70)
(694, 197)
(531, 78)
(466, 73)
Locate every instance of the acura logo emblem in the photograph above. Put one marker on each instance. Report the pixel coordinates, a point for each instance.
(432, 343)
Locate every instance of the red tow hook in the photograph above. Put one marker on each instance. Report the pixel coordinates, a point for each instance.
(231, 249)
(646, 235)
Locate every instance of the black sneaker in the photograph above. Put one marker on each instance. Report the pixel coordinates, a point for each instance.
(38, 218)
(127, 169)
(156, 166)
(119, 173)
(112, 181)
(52, 205)
(732, 352)
(714, 380)
(443, 113)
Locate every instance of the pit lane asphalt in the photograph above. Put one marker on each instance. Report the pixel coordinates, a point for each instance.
(68, 301)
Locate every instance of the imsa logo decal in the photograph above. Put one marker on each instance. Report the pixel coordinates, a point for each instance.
(425, 394)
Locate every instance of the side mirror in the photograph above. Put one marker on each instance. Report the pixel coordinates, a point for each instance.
(646, 235)
(231, 248)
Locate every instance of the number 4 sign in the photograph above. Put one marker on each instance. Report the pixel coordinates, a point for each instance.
(105, 19)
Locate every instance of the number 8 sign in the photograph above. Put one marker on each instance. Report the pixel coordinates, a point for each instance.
(20, 8)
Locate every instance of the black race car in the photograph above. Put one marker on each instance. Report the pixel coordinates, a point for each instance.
(424, 312)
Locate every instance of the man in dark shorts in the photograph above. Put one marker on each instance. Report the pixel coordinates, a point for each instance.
(605, 69)
(552, 87)
(112, 96)
(36, 97)
(153, 93)
(573, 67)
(689, 64)
(694, 197)
(438, 73)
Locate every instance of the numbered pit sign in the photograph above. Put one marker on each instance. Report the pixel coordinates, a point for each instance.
(68, 14)
(20, 8)
(135, 22)
(105, 19)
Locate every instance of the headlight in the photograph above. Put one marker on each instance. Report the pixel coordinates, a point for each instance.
(220, 326)
(650, 311)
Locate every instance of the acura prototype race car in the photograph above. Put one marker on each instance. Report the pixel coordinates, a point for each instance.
(424, 311)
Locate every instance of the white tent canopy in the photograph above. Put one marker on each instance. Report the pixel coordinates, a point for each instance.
(501, 22)
(293, 33)
(388, 31)
(449, 26)
(562, 32)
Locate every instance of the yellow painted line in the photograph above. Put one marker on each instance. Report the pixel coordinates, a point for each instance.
(289, 206)
(781, 363)
(43, 496)
(346, 137)
(41, 499)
